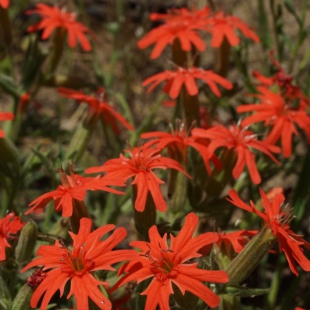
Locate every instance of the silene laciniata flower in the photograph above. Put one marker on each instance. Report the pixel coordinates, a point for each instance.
(170, 264)
(77, 265)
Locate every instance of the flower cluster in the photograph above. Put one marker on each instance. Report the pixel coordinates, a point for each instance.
(174, 184)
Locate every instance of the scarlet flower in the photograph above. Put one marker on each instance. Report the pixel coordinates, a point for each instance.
(224, 27)
(182, 76)
(140, 165)
(4, 3)
(53, 17)
(5, 116)
(180, 24)
(177, 143)
(169, 264)
(98, 107)
(73, 187)
(277, 217)
(283, 118)
(9, 226)
(87, 254)
(241, 141)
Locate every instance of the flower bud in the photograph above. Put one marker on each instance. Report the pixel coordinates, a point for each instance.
(22, 299)
(5, 297)
(26, 242)
(247, 260)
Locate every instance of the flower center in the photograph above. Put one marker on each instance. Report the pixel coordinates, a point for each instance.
(68, 181)
(177, 24)
(139, 160)
(163, 267)
(75, 259)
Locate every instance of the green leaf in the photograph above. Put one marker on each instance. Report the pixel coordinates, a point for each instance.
(291, 8)
(8, 85)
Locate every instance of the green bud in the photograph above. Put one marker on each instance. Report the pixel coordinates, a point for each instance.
(80, 139)
(26, 242)
(22, 299)
(5, 297)
(248, 259)
(179, 195)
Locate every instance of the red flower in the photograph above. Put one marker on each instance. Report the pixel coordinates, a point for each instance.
(4, 3)
(88, 254)
(183, 76)
(177, 143)
(180, 24)
(224, 26)
(167, 264)
(242, 141)
(5, 116)
(277, 217)
(9, 226)
(73, 187)
(53, 17)
(98, 107)
(140, 165)
(274, 111)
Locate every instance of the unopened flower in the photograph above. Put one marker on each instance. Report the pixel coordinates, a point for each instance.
(276, 112)
(10, 225)
(53, 17)
(5, 116)
(98, 107)
(277, 217)
(242, 141)
(77, 264)
(176, 79)
(140, 165)
(170, 264)
(36, 278)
